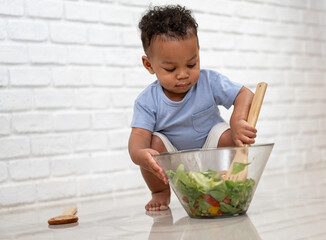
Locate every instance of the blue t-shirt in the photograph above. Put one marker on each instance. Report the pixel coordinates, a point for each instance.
(185, 123)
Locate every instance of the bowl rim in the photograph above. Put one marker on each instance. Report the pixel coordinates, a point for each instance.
(212, 149)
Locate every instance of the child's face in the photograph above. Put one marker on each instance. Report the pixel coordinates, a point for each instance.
(175, 63)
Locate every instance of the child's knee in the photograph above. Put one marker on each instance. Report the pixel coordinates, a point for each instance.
(157, 144)
(226, 139)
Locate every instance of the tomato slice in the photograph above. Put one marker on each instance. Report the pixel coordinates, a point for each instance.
(211, 200)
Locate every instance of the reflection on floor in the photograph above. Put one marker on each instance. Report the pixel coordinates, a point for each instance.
(285, 206)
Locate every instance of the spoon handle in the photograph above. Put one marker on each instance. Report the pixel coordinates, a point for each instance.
(70, 211)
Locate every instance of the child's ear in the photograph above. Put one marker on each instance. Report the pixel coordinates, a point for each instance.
(147, 64)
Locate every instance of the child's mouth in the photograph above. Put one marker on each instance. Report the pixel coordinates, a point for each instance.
(183, 85)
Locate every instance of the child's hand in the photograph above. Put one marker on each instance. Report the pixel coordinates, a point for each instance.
(151, 164)
(243, 133)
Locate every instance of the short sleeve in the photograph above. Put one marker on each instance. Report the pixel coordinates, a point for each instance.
(224, 90)
(143, 116)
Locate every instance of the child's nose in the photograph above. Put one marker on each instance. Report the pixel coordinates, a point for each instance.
(182, 74)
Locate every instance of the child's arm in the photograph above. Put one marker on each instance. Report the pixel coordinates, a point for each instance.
(141, 153)
(242, 132)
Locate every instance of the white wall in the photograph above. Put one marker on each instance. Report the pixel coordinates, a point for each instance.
(70, 71)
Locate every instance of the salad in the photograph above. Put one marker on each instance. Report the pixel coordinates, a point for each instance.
(207, 194)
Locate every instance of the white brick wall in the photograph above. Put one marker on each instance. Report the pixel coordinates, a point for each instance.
(70, 71)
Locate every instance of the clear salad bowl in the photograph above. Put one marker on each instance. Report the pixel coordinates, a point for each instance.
(213, 183)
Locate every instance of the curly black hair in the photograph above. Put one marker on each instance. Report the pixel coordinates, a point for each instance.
(172, 21)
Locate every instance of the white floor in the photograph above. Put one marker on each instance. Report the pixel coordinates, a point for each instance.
(285, 206)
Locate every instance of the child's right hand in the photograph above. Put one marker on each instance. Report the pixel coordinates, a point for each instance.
(151, 164)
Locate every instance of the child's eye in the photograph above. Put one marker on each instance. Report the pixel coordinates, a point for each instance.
(169, 69)
(192, 65)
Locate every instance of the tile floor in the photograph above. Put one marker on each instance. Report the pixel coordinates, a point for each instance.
(285, 206)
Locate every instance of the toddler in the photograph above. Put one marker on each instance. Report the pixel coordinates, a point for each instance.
(179, 110)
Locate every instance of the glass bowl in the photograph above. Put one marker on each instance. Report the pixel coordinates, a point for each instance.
(205, 181)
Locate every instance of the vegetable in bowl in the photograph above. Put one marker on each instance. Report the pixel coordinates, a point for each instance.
(205, 194)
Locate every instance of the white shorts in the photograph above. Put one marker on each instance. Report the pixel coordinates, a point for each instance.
(211, 141)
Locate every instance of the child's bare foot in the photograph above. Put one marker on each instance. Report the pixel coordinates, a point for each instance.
(160, 201)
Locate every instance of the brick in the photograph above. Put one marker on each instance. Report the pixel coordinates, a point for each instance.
(18, 193)
(48, 54)
(268, 128)
(30, 76)
(13, 147)
(107, 77)
(68, 33)
(95, 185)
(12, 7)
(280, 61)
(119, 100)
(314, 79)
(269, 44)
(29, 169)
(139, 77)
(302, 143)
(128, 180)
(4, 125)
(283, 144)
(13, 54)
(3, 33)
(56, 189)
(77, 164)
(316, 110)
(31, 122)
(313, 47)
(117, 138)
(306, 94)
(113, 119)
(307, 126)
(51, 145)
(291, 15)
(320, 140)
(251, 43)
(247, 9)
(317, 5)
(71, 76)
(92, 99)
(302, 62)
(49, 99)
(104, 35)
(90, 141)
(209, 59)
(71, 121)
(82, 12)
(123, 57)
(291, 46)
(294, 160)
(109, 162)
(143, 3)
(16, 100)
(311, 17)
(268, 12)
(299, 31)
(275, 162)
(85, 56)
(130, 37)
(291, 127)
(280, 95)
(218, 41)
(27, 30)
(254, 27)
(118, 15)
(3, 172)
(44, 8)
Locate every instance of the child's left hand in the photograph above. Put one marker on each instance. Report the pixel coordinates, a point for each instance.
(243, 133)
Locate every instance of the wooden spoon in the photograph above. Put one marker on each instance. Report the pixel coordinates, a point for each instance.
(241, 156)
(68, 216)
